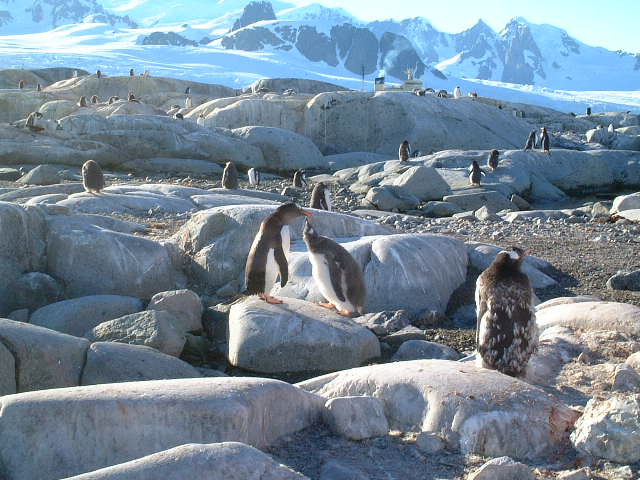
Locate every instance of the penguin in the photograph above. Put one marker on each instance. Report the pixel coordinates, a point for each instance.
(82, 102)
(321, 197)
(187, 91)
(178, 116)
(337, 274)
(611, 129)
(457, 93)
(230, 176)
(99, 74)
(268, 253)
(416, 154)
(254, 177)
(94, 99)
(475, 174)
(132, 98)
(300, 179)
(113, 99)
(404, 152)
(545, 140)
(131, 73)
(38, 88)
(188, 103)
(492, 162)
(32, 122)
(92, 177)
(506, 332)
(531, 140)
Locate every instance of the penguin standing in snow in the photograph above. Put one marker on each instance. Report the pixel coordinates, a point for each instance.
(230, 176)
(299, 179)
(492, 162)
(268, 254)
(531, 140)
(254, 177)
(545, 140)
(338, 276)
(457, 93)
(475, 174)
(506, 332)
(321, 197)
(610, 129)
(404, 152)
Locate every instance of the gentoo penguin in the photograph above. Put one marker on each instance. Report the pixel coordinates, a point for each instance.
(475, 174)
(531, 140)
(99, 74)
(299, 179)
(82, 102)
(38, 88)
(457, 93)
(131, 73)
(611, 129)
(404, 152)
(545, 140)
(113, 99)
(254, 177)
(178, 116)
(338, 276)
(230, 176)
(321, 197)
(188, 102)
(21, 84)
(492, 162)
(32, 122)
(268, 254)
(92, 177)
(506, 333)
(94, 99)
(132, 98)
(187, 91)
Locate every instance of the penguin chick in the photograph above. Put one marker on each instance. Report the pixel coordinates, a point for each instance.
(493, 161)
(300, 179)
(92, 177)
(230, 176)
(404, 152)
(321, 197)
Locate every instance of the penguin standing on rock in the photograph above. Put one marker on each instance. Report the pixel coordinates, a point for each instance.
(254, 177)
(475, 174)
(337, 274)
(82, 102)
(506, 332)
(492, 162)
(131, 73)
(545, 140)
(92, 177)
(457, 93)
(300, 179)
(230, 176)
(531, 140)
(268, 254)
(21, 84)
(321, 197)
(404, 152)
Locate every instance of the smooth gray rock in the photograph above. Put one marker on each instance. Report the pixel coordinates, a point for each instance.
(9, 174)
(45, 359)
(429, 443)
(142, 418)
(49, 199)
(356, 418)
(634, 361)
(184, 305)
(626, 379)
(151, 328)
(608, 316)
(7, 371)
(31, 192)
(503, 468)
(384, 323)
(631, 215)
(182, 166)
(440, 209)
(78, 315)
(401, 336)
(214, 461)
(609, 429)
(334, 470)
(475, 410)
(41, 175)
(484, 214)
(567, 300)
(535, 214)
(218, 200)
(473, 201)
(626, 202)
(21, 315)
(35, 290)
(391, 198)
(424, 183)
(138, 203)
(295, 337)
(342, 161)
(110, 362)
(423, 350)
(520, 202)
(625, 280)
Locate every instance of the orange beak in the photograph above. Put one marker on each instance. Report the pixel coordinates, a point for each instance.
(308, 214)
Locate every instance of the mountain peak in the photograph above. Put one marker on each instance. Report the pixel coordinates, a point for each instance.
(255, 11)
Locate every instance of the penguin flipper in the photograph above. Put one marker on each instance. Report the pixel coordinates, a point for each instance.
(335, 272)
(281, 260)
(481, 308)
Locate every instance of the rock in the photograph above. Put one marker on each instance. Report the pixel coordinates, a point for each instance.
(609, 429)
(391, 198)
(142, 418)
(401, 336)
(625, 280)
(503, 468)
(132, 203)
(21, 315)
(608, 316)
(626, 379)
(418, 263)
(356, 418)
(494, 201)
(217, 461)
(429, 443)
(485, 215)
(634, 360)
(218, 200)
(291, 192)
(423, 350)
(520, 202)
(333, 470)
(384, 323)
(567, 300)
(79, 254)
(76, 316)
(631, 215)
(9, 174)
(440, 209)
(535, 214)
(465, 317)
(625, 202)
(283, 150)
(35, 290)
(41, 175)
(182, 166)
(295, 337)
(582, 474)
(184, 305)
(109, 362)
(475, 410)
(50, 199)
(342, 161)
(599, 209)
(44, 358)
(424, 183)
(7, 371)
(151, 328)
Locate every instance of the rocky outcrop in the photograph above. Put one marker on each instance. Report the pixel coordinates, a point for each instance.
(254, 12)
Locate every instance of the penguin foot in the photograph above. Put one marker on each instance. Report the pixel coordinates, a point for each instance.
(328, 305)
(270, 299)
(345, 313)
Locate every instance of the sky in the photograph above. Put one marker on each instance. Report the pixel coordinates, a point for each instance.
(613, 24)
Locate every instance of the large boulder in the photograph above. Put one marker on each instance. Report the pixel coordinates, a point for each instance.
(140, 418)
(494, 201)
(299, 85)
(7, 371)
(35, 289)
(425, 183)
(412, 272)
(76, 316)
(126, 204)
(109, 362)
(215, 243)
(607, 316)
(626, 202)
(44, 358)
(41, 175)
(474, 410)
(184, 305)
(391, 198)
(296, 337)
(216, 461)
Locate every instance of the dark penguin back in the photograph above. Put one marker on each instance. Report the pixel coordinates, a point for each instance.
(318, 199)
(299, 179)
(531, 140)
(230, 176)
(92, 176)
(493, 159)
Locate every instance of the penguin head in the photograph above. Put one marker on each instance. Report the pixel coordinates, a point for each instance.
(475, 165)
(309, 231)
(513, 256)
(288, 212)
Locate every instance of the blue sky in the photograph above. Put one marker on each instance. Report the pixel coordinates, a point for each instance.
(611, 24)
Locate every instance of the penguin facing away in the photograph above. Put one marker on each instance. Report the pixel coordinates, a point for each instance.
(21, 84)
(268, 254)
(493, 161)
(131, 73)
(230, 176)
(300, 179)
(82, 102)
(531, 140)
(404, 152)
(92, 177)
(337, 274)
(545, 140)
(506, 331)
(321, 197)
(475, 174)
(254, 177)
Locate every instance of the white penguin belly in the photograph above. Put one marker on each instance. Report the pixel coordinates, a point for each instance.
(271, 272)
(322, 276)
